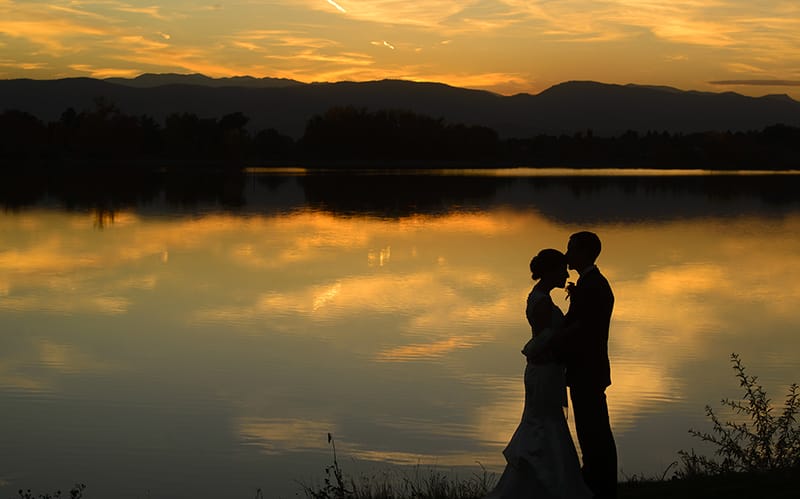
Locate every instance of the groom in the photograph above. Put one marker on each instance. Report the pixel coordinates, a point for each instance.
(585, 355)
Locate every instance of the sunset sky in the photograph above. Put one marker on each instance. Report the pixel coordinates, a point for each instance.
(507, 46)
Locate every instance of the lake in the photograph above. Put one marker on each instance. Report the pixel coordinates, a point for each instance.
(200, 337)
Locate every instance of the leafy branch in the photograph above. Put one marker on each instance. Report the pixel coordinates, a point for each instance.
(760, 441)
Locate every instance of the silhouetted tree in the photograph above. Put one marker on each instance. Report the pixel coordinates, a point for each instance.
(235, 138)
(186, 136)
(151, 136)
(22, 136)
(351, 133)
(105, 134)
(271, 145)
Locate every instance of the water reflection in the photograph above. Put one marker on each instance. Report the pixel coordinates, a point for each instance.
(571, 196)
(223, 344)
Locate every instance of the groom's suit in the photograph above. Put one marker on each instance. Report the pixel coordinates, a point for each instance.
(585, 355)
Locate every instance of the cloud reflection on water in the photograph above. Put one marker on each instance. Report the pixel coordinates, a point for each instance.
(287, 315)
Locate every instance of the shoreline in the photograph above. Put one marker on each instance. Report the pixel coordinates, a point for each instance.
(169, 166)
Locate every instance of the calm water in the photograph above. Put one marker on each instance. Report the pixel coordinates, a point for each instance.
(171, 341)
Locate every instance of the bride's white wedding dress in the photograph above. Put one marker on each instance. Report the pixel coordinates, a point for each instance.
(541, 458)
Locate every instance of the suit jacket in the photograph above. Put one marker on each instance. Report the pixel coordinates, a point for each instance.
(585, 350)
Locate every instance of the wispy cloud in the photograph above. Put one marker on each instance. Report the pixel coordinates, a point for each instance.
(740, 67)
(383, 43)
(72, 10)
(284, 38)
(350, 60)
(52, 34)
(96, 72)
(338, 7)
(151, 11)
(759, 83)
(396, 12)
(6, 63)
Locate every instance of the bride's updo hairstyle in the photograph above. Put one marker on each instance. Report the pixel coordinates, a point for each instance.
(546, 261)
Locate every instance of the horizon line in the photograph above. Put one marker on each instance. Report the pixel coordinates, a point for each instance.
(653, 86)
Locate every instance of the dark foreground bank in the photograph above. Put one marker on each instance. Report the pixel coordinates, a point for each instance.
(781, 484)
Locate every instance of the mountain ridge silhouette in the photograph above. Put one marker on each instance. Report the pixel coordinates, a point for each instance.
(287, 105)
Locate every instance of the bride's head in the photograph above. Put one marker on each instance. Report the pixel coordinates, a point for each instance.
(549, 267)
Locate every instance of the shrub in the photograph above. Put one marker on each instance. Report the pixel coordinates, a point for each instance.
(764, 443)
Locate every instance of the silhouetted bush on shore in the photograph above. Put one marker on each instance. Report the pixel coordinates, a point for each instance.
(349, 136)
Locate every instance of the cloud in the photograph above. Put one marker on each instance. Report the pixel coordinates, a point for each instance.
(338, 7)
(760, 83)
(28, 66)
(677, 58)
(95, 72)
(80, 12)
(53, 34)
(285, 38)
(152, 11)
(146, 51)
(430, 16)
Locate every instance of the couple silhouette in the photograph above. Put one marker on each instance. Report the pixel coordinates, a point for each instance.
(565, 351)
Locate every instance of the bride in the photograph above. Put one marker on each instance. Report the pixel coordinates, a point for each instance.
(541, 458)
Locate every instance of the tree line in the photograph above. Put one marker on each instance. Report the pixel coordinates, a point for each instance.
(348, 134)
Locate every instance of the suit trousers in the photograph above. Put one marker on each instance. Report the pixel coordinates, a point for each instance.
(596, 440)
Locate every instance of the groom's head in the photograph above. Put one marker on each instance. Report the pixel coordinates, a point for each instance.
(583, 249)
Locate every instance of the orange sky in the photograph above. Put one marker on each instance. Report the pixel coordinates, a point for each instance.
(507, 46)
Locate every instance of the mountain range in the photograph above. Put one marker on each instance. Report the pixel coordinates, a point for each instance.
(286, 105)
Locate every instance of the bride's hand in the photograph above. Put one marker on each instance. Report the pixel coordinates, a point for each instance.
(569, 288)
(526, 348)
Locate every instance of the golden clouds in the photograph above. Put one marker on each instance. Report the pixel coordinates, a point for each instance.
(51, 34)
(507, 46)
(96, 72)
(150, 11)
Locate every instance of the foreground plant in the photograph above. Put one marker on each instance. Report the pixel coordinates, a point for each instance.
(764, 443)
(76, 492)
(334, 487)
(433, 484)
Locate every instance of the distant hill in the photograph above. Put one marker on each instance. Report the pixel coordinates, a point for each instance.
(286, 105)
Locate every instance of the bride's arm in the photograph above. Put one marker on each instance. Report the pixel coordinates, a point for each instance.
(540, 317)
